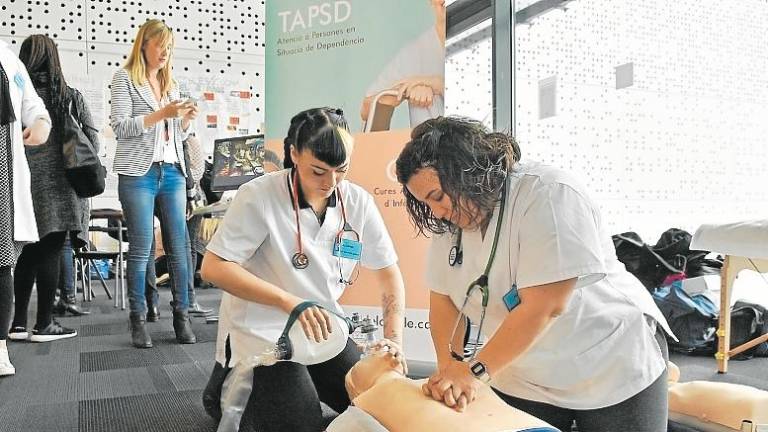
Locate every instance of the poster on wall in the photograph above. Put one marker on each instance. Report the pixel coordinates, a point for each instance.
(383, 64)
(228, 107)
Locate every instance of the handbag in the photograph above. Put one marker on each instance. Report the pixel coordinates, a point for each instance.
(82, 166)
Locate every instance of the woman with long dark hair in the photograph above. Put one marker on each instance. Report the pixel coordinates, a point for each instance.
(58, 209)
(23, 122)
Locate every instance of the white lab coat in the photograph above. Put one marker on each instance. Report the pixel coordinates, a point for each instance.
(28, 107)
(259, 233)
(601, 350)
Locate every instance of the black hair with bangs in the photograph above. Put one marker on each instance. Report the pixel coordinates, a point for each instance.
(317, 130)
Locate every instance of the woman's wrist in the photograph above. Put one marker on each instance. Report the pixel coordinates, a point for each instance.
(164, 113)
(288, 302)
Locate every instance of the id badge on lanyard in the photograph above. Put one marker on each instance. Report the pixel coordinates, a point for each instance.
(511, 298)
(20, 81)
(348, 248)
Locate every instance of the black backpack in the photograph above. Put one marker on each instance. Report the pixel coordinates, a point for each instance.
(670, 255)
(642, 261)
(748, 321)
(693, 319)
(82, 166)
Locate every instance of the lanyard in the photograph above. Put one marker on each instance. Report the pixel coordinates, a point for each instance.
(481, 282)
(300, 260)
(340, 240)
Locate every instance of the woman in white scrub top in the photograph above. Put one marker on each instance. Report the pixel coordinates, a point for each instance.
(274, 251)
(570, 335)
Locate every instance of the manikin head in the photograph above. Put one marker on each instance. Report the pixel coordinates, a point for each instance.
(368, 371)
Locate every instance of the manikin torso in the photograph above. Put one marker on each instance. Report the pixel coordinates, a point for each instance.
(377, 386)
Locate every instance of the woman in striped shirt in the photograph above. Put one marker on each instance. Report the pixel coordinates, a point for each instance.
(150, 123)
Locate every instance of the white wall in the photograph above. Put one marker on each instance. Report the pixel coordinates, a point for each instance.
(684, 145)
(219, 48)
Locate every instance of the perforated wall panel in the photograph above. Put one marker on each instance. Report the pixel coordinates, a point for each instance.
(683, 144)
(219, 49)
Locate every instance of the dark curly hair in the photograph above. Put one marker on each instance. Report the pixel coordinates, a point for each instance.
(472, 164)
(316, 129)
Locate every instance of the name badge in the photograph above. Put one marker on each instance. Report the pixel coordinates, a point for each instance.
(511, 298)
(19, 80)
(348, 248)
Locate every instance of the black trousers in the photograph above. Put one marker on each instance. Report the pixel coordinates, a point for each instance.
(287, 395)
(39, 262)
(6, 300)
(646, 411)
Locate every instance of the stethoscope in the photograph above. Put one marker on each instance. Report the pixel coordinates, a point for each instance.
(455, 256)
(300, 260)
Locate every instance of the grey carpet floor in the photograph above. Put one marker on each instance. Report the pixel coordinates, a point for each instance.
(98, 382)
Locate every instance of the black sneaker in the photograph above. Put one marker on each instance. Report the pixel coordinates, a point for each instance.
(18, 333)
(54, 331)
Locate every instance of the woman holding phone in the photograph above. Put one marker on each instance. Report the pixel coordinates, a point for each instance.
(150, 123)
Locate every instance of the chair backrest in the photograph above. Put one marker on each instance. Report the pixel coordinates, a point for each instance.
(380, 116)
(113, 223)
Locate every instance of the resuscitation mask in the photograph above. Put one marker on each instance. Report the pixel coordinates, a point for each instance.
(294, 345)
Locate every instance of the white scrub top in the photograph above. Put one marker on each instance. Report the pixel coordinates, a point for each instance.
(259, 233)
(601, 350)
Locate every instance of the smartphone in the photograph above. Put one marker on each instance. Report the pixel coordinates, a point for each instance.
(190, 101)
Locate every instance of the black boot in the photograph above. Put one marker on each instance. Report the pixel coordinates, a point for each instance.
(182, 327)
(153, 313)
(70, 305)
(139, 334)
(59, 308)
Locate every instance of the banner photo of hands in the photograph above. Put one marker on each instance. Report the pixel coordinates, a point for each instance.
(383, 64)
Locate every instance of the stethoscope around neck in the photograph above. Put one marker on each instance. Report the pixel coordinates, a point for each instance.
(456, 256)
(300, 260)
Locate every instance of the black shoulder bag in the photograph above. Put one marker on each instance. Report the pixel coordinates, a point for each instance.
(82, 166)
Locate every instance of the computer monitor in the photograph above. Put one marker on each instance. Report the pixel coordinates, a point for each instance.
(236, 161)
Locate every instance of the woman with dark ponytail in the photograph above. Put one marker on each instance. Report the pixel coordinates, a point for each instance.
(58, 209)
(278, 247)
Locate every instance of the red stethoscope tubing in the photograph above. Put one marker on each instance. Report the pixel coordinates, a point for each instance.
(300, 259)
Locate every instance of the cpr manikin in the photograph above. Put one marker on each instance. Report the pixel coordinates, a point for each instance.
(376, 385)
(716, 406)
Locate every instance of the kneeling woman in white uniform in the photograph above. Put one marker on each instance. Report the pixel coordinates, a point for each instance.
(520, 250)
(274, 250)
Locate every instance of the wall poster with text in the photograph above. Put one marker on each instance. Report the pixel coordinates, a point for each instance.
(382, 62)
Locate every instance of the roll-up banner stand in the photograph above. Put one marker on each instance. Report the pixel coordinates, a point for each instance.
(383, 63)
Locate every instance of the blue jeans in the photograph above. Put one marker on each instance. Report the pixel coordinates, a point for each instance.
(152, 294)
(163, 186)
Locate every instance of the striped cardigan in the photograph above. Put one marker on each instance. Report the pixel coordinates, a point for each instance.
(136, 144)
